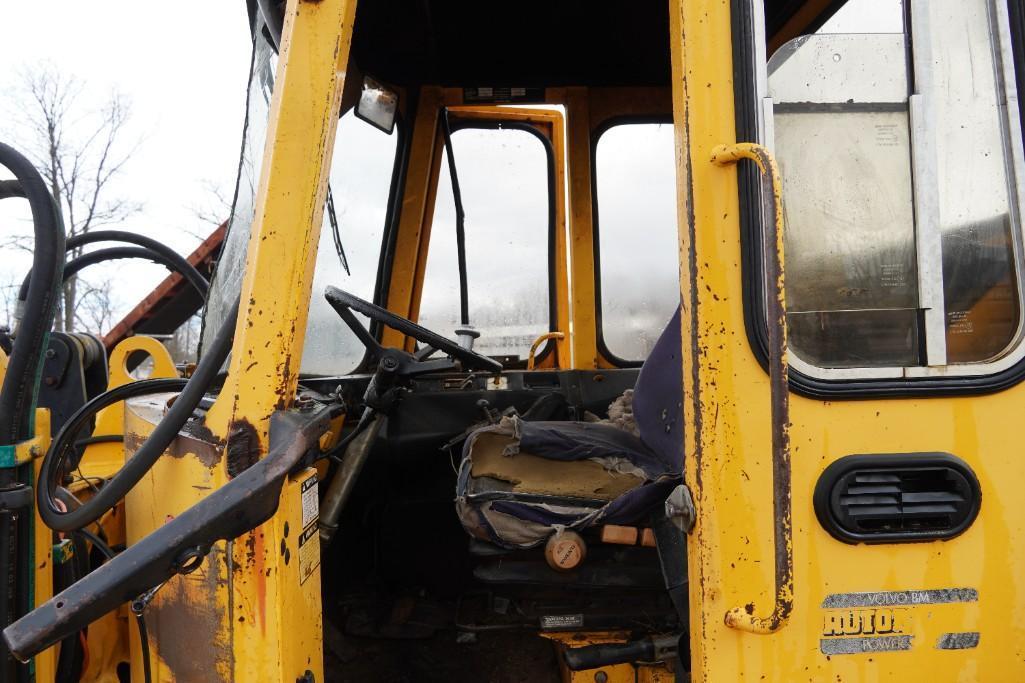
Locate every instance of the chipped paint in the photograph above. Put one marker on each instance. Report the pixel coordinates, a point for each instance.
(958, 641)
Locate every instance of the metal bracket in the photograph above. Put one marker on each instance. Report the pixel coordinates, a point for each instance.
(140, 603)
(680, 509)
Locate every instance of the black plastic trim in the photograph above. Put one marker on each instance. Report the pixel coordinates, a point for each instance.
(604, 127)
(391, 220)
(751, 245)
(833, 474)
(392, 217)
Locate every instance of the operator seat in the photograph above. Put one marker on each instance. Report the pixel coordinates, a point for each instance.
(521, 481)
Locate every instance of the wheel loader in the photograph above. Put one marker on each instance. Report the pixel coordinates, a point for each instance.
(619, 341)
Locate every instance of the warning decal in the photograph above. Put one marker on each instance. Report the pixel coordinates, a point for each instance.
(311, 502)
(309, 552)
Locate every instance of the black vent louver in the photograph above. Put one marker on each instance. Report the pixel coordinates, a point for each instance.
(897, 498)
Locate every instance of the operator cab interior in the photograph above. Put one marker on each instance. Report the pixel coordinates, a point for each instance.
(508, 362)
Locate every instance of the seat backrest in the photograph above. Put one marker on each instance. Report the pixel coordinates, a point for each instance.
(658, 397)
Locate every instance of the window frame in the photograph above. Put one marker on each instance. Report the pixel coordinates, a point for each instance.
(753, 112)
(457, 124)
(596, 134)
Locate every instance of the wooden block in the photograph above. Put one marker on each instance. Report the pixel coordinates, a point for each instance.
(620, 535)
(648, 538)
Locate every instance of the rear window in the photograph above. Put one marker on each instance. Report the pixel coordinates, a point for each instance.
(505, 181)
(637, 240)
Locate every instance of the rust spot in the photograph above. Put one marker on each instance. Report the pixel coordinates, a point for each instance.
(194, 439)
(186, 621)
(251, 549)
(243, 447)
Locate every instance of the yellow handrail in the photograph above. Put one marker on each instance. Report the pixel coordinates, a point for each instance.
(538, 342)
(742, 618)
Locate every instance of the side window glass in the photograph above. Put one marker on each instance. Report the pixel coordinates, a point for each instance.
(505, 180)
(348, 258)
(639, 270)
(892, 134)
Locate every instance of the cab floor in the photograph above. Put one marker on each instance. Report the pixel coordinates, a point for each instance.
(495, 657)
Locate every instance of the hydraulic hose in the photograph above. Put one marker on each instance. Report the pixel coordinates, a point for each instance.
(168, 257)
(65, 444)
(147, 454)
(17, 398)
(21, 383)
(114, 253)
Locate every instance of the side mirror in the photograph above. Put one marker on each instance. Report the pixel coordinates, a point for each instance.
(377, 105)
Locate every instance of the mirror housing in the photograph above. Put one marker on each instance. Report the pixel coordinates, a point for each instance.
(377, 105)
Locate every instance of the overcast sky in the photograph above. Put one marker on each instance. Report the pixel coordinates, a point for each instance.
(184, 72)
(184, 68)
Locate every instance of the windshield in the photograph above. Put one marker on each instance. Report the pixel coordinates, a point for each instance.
(350, 246)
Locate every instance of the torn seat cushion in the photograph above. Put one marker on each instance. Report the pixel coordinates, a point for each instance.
(520, 481)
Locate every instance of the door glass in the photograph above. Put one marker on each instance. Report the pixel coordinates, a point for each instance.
(842, 140)
(361, 173)
(982, 309)
(638, 245)
(897, 179)
(504, 179)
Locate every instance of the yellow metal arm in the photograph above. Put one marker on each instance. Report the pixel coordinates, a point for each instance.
(742, 618)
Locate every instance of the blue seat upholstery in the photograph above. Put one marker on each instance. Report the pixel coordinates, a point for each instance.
(626, 475)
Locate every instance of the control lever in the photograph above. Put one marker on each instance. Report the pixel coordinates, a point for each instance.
(244, 503)
(655, 649)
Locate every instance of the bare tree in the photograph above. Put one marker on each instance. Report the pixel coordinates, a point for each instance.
(79, 151)
(215, 210)
(8, 297)
(184, 343)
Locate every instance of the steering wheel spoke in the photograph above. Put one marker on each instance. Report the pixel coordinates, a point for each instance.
(345, 303)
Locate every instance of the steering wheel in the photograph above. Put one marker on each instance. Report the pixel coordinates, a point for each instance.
(345, 303)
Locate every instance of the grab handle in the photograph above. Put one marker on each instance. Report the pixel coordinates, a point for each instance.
(741, 618)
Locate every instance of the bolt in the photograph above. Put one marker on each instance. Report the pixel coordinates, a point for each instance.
(50, 353)
(601, 677)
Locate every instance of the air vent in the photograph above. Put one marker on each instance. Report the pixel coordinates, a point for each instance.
(897, 498)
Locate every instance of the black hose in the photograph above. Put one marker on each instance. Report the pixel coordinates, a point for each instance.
(147, 675)
(172, 259)
(76, 264)
(49, 475)
(21, 381)
(136, 467)
(101, 438)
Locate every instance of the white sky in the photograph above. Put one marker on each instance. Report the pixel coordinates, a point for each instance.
(184, 72)
(183, 67)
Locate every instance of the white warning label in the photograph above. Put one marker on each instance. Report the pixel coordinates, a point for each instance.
(311, 501)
